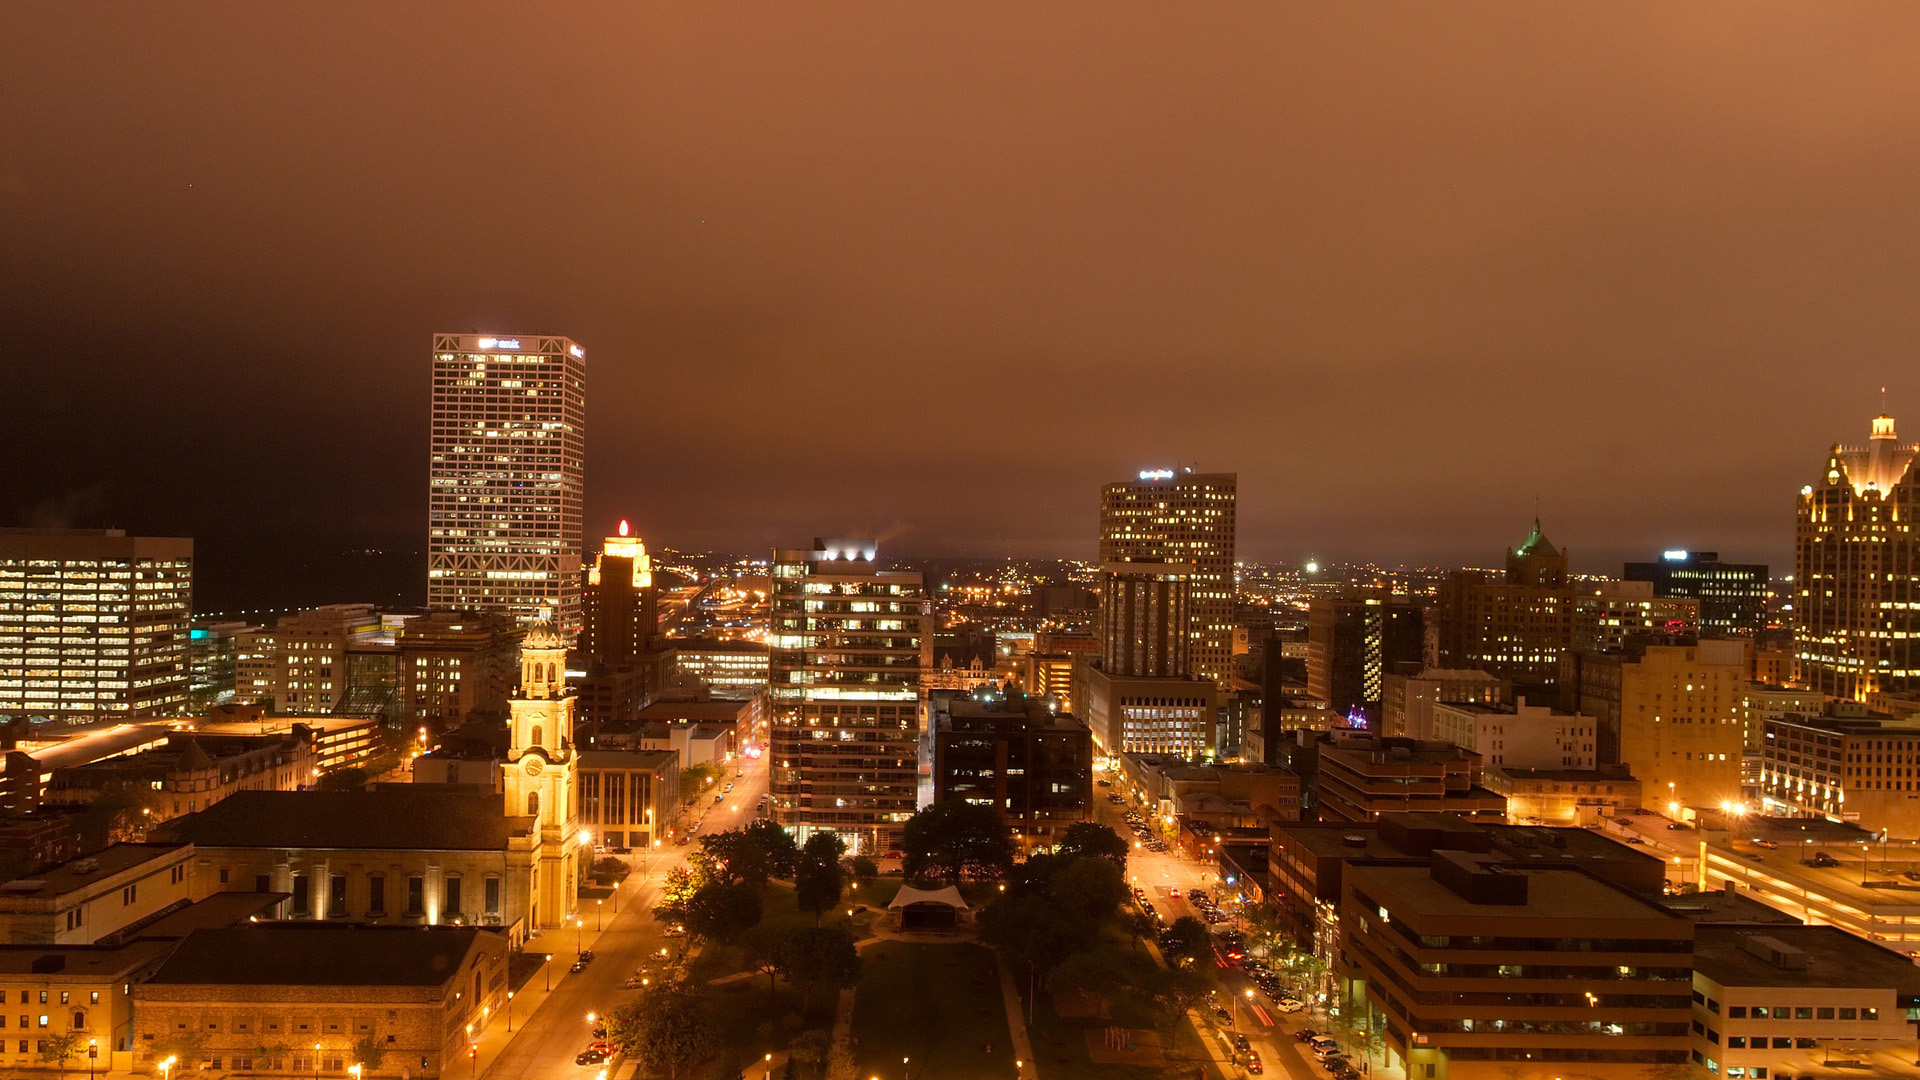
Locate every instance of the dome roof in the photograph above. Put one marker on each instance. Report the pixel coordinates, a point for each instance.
(543, 634)
(1537, 543)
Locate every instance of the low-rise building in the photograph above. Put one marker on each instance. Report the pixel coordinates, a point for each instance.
(1130, 714)
(1362, 777)
(1407, 700)
(627, 797)
(1852, 768)
(1778, 1002)
(82, 990)
(194, 771)
(1564, 796)
(733, 669)
(99, 896)
(1518, 735)
(338, 741)
(1472, 968)
(314, 998)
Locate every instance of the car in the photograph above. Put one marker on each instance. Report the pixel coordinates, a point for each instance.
(1104, 783)
(1225, 1016)
(1635, 840)
(1323, 1045)
(720, 798)
(1240, 1043)
(578, 967)
(1911, 875)
(1821, 858)
(1679, 826)
(1306, 1035)
(1289, 1005)
(1253, 1063)
(590, 1056)
(1768, 844)
(1196, 894)
(1345, 1071)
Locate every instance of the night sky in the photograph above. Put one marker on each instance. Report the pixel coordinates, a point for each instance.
(936, 271)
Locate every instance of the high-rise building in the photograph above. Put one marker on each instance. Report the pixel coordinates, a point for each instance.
(313, 646)
(1515, 626)
(847, 642)
(1169, 519)
(1353, 642)
(619, 605)
(1855, 602)
(1145, 618)
(1732, 596)
(453, 662)
(1608, 614)
(508, 469)
(93, 622)
(1671, 713)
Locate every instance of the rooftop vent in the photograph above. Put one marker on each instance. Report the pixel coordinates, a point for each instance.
(86, 866)
(19, 888)
(1354, 841)
(1774, 951)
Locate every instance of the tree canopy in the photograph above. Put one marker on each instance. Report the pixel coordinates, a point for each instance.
(955, 840)
(1186, 941)
(818, 957)
(722, 912)
(1092, 838)
(818, 880)
(666, 1027)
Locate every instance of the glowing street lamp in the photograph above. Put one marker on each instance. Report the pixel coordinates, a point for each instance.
(316, 1059)
(166, 1068)
(509, 1010)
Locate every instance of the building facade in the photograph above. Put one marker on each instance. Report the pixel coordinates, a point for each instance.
(1353, 642)
(1670, 713)
(540, 777)
(93, 623)
(1514, 626)
(1520, 735)
(508, 467)
(1856, 606)
(846, 646)
(619, 606)
(1185, 519)
(1015, 754)
(1363, 777)
(1732, 596)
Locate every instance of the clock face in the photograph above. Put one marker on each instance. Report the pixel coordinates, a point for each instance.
(534, 765)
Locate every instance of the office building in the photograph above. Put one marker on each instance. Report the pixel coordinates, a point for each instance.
(312, 647)
(1353, 643)
(1407, 701)
(256, 665)
(93, 623)
(1781, 1001)
(1474, 967)
(1148, 715)
(452, 663)
(1670, 713)
(846, 644)
(192, 772)
(508, 457)
(1179, 524)
(1583, 797)
(213, 651)
(1515, 625)
(1855, 605)
(726, 667)
(627, 797)
(1519, 735)
(619, 604)
(87, 990)
(1608, 614)
(1362, 777)
(1843, 764)
(1014, 753)
(1048, 668)
(1759, 702)
(1732, 596)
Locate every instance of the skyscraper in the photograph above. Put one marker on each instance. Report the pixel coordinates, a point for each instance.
(1186, 519)
(1353, 642)
(93, 622)
(1515, 626)
(846, 644)
(620, 608)
(1855, 604)
(508, 468)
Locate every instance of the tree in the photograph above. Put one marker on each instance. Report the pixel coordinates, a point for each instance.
(368, 1052)
(344, 778)
(696, 778)
(735, 857)
(818, 957)
(812, 1049)
(182, 1046)
(55, 1049)
(1186, 941)
(119, 814)
(777, 842)
(840, 1064)
(764, 946)
(818, 881)
(676, 893)
(1084, 838)
(1089, 887)
(666, 1027)
(1031, 929)
(723, 912)
(863, 869)
(1178, 990)
(954, 840)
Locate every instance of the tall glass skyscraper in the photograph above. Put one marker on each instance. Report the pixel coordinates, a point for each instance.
(508, 469)
(93, 622)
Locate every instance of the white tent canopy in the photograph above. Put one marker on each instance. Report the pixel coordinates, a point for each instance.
(949, 896)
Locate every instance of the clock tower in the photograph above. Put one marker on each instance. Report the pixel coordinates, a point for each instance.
(541, 770)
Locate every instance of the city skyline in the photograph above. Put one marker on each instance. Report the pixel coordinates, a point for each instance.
(1408, 285)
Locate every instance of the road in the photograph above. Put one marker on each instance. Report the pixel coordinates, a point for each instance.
(543, 1046)
(1167, 877)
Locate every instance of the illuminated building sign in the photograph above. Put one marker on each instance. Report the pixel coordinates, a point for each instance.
(578, 352)
(1156, 474)
(499, 343)
(1674, 556)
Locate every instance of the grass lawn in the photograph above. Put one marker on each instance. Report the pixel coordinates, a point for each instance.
(1061, 1042)
(750, 1018)
(939, 1005)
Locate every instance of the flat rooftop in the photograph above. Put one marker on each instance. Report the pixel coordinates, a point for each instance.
(1552, 894)
(1834, 958)
(321, 954)
(79, 961)
(71, 875)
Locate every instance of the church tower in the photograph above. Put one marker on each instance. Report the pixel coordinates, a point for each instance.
(541, 770)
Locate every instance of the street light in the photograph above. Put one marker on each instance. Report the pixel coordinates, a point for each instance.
(316, 1059)
(579, 945)
(546, 968)
(354, 1070)
(597, 905)
(769, 1067)
(93, 1051)
(509, 1011)
(166, 1068)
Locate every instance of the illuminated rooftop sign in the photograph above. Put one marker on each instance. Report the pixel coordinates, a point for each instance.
(1674, 556)
(499, 343)
(1156, 474)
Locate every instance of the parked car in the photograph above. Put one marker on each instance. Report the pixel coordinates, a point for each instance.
(1289, 1005)
(1253, 1063)
(1322, 1045)
(1768, 844)
(1241, 1044)
(1306, 1035)
(590, 1056)
(1679, 826)
(1821, 858)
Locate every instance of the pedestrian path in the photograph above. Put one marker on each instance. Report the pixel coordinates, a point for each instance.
(1016, 1023)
